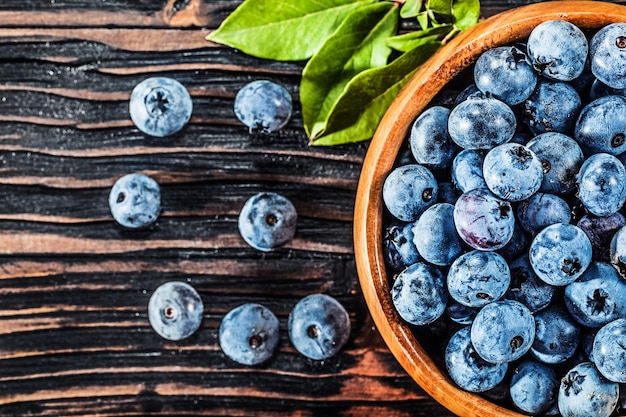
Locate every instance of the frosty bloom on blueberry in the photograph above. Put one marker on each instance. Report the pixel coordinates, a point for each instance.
(135, 201)
(160, 106)
(267, 221)
(263, 106)
(175, 310)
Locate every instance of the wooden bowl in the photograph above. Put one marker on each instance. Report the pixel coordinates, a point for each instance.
(449, 61)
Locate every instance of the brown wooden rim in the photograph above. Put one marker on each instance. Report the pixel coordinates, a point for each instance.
(506, 27)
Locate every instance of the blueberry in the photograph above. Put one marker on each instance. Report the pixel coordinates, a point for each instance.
(467, 170)
(600, 231)
(408, 190)
(430, 142)
(599, 89)
(477, 278)
(160, 106)
(607, 51)
(583, 392)
(602, 184)
(484, 221)
(558, 50)
(552, 107)
(534, 387)
(481, 122)
(135, 201)
(318, 326)
(398, 247)
(560, 253)
(249, 334)
(561, 159)
(447, 193)
(263, 106)
(617, 251)
(557, 335)
(175, 310)
(468, 91)
(597, 297)
(506, 73)
(503, 331)
(267, 221)
(461, 314)
(434, 235)
(526, 287)
(419, 294)
(601, 126)
(467, 369)
(512, 171)
(542, 210)
(609, 350)
(517, 245)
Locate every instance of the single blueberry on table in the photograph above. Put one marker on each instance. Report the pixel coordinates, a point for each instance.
(584, 392)
(597, 297)
(263, 106)
(557, 335)
(506, 73)
(512, 171)
(601, 126)
(609, 350)
(542, 210)
(267, 221)
(419, 294)
(249, 334)
(534, 387)
(503, 331)
(558, 50)
(560, 253)
(481, 122)
(135, 201)
(430, 142)
(408, 190)
(467, 170)
(160, 106)
(602, 184)
(398, 247)
(483, 221)
(175, 310)
(607, 52)
(467, 369)
(477, 278)
(526, 287)
(600, 231)
(434, 235)
(319, 326)
(553, 107)
(561, 158)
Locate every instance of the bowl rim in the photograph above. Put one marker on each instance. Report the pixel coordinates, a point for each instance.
(503, 28)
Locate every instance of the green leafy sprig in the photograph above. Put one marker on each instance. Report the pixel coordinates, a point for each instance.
(357, 61)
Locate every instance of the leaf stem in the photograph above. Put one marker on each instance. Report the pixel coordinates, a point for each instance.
(450, 35)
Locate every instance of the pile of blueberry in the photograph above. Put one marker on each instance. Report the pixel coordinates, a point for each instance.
(505, 231)
(318, 325)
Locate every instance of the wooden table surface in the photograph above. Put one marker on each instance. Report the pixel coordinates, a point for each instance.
(74, 287)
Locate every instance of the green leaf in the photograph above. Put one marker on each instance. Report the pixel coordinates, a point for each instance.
(410, 40)
(466, 13)
(440, 7)
(423, 19)
(368, 95)
(283, 30)
(357, 45)
(411, 8)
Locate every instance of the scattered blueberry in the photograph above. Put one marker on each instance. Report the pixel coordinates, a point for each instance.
(267, 220)
(135, 201)
(263, 106)
(160, 106)
(319, 326)
(175, 310)
(249, 334)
